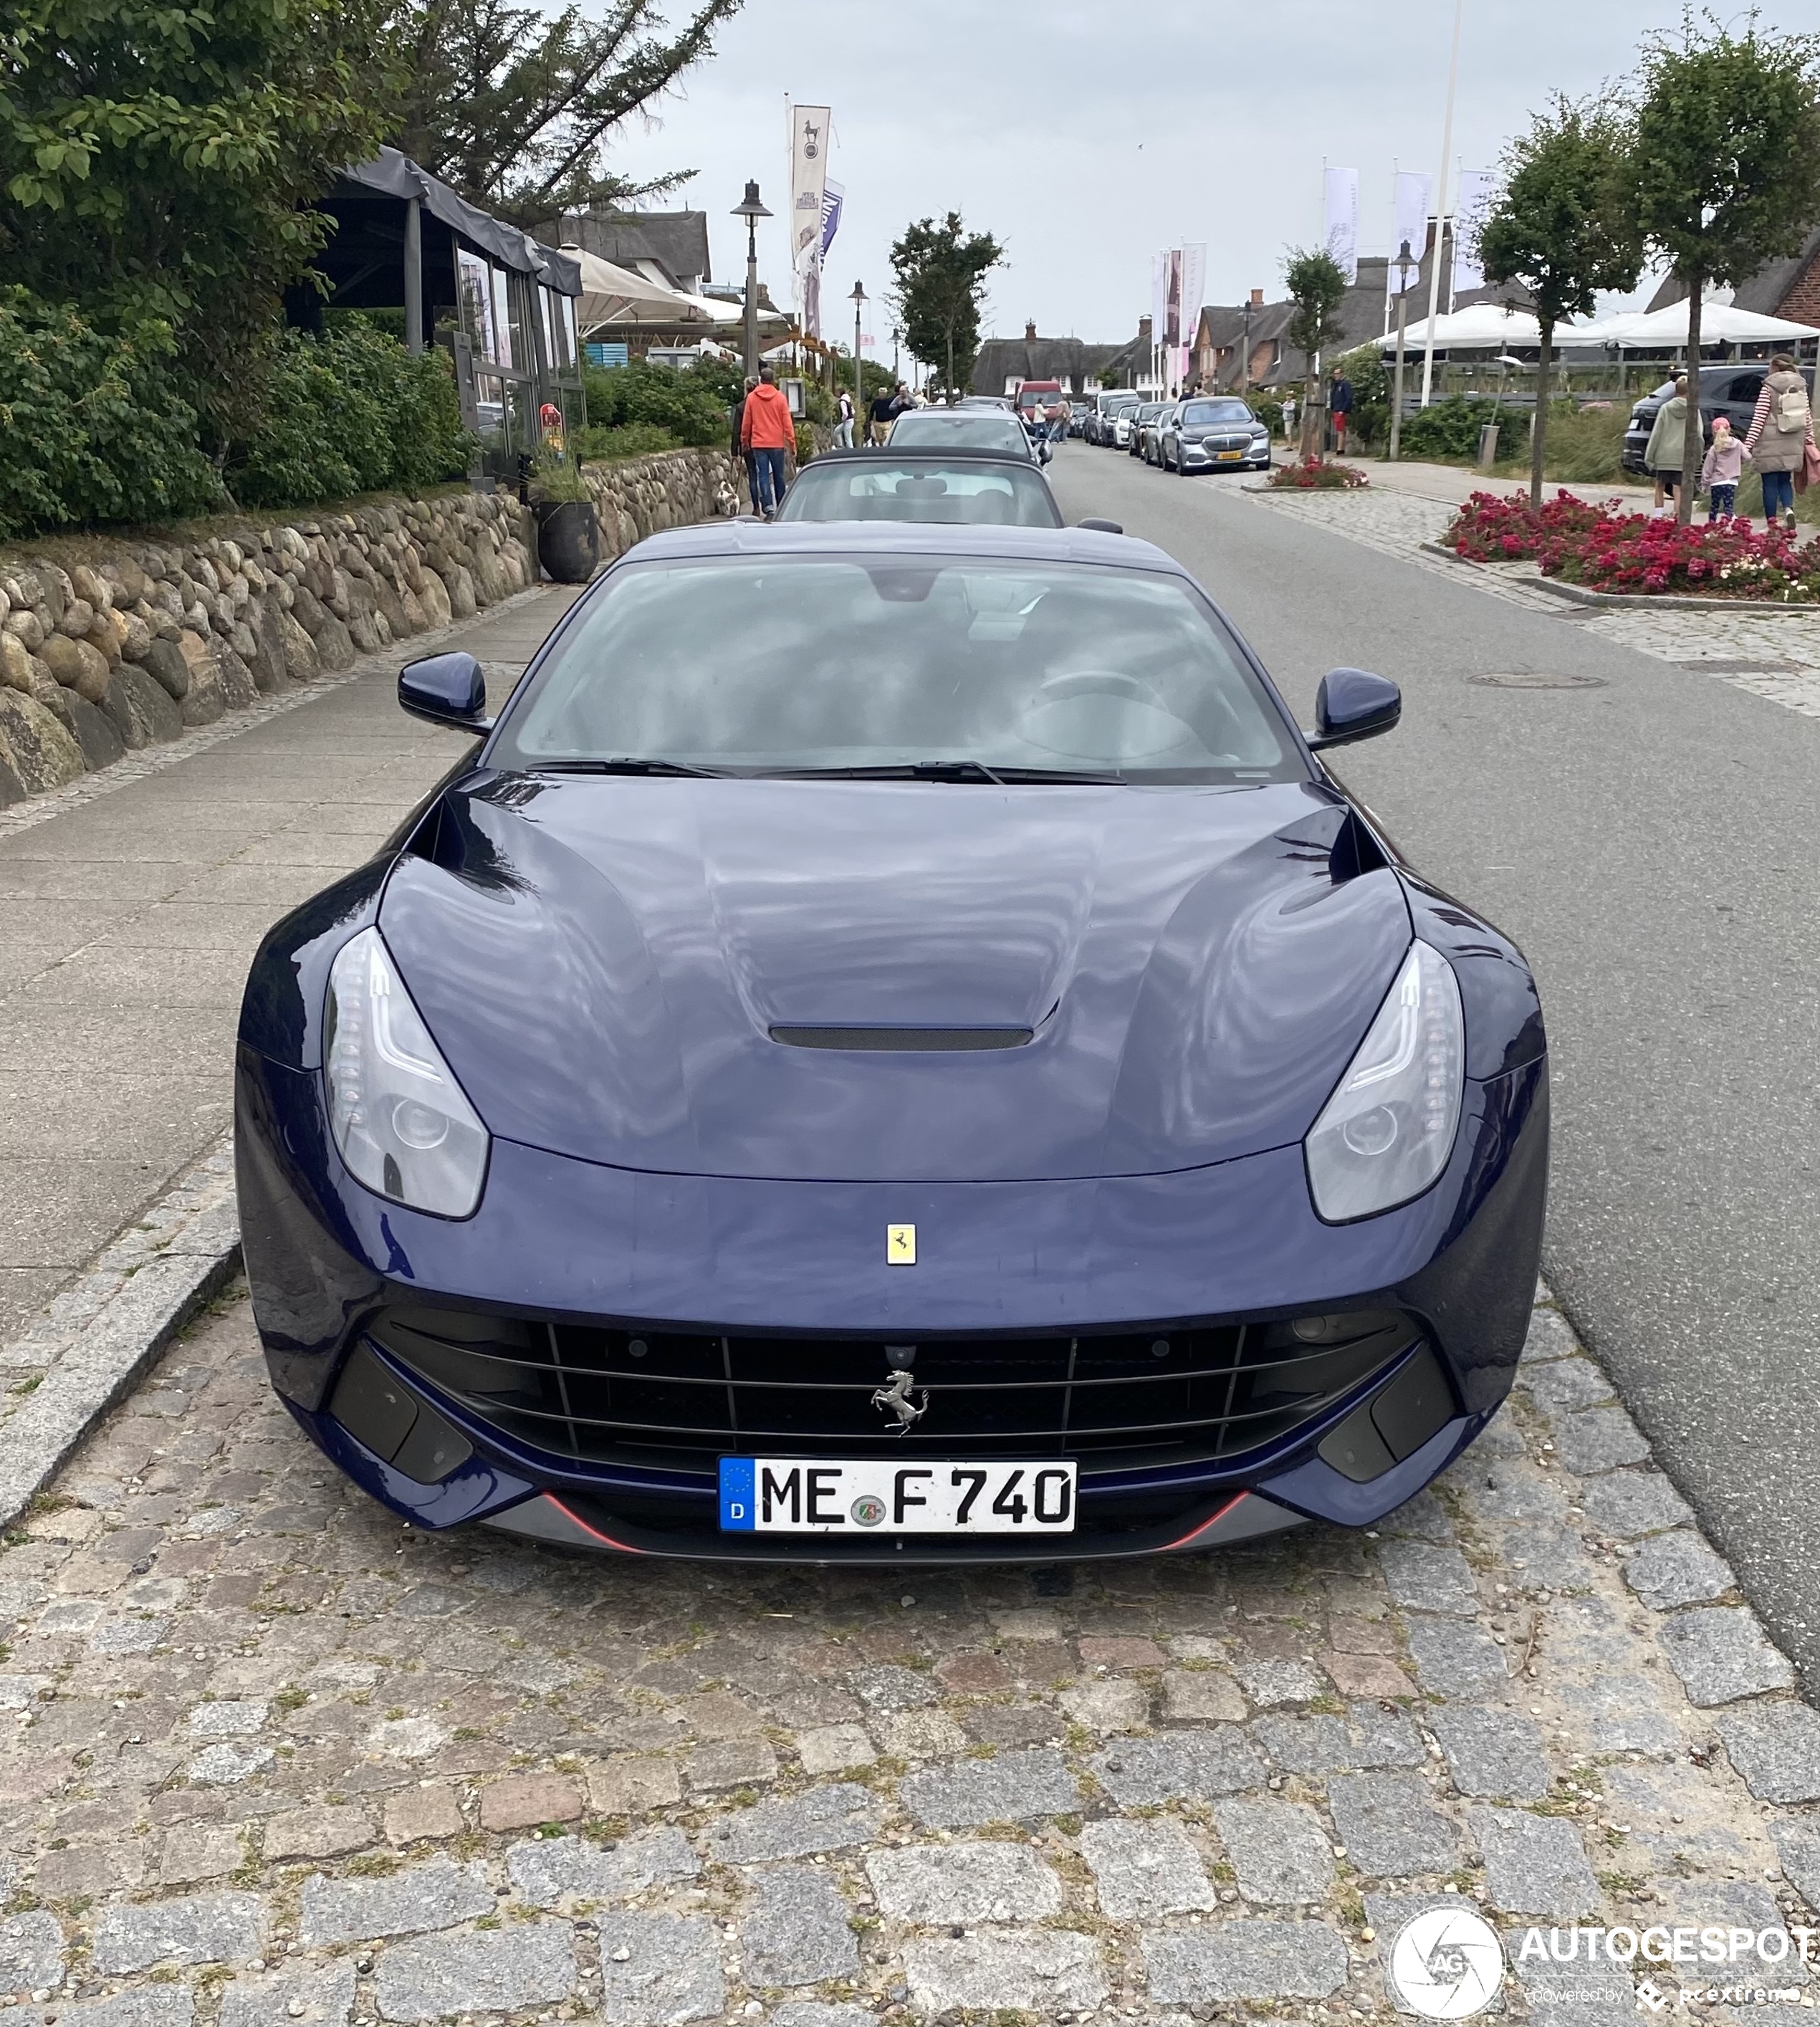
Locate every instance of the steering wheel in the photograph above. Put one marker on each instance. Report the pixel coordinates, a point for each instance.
(1099, 682)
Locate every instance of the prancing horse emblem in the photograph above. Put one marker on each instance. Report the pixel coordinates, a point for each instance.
(895, 1398)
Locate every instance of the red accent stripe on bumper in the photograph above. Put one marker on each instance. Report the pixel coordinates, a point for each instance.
(1194, 1534)
(594, 1533)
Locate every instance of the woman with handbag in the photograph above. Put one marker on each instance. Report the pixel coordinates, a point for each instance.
(1779, 442)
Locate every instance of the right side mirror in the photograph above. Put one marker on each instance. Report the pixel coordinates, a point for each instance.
(446, 689)
(1353, 704)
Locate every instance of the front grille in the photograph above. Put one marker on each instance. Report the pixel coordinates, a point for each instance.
(678, 1398)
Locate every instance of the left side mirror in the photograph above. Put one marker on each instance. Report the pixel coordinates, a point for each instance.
(1353, 704)
(447, 690)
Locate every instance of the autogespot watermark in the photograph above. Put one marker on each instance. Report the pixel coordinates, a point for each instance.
(1449, 1963)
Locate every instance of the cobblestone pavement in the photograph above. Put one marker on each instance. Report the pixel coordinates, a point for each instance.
(274, 1758)
(1767, 655)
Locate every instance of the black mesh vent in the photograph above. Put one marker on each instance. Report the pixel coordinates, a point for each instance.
(678, 1398)
(902, 1040)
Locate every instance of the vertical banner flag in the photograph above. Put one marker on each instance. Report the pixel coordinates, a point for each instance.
(808, 194)
(1342, 232)
(1172, 299)
(1159, 305)
(1194, 284)
(1414, 195)
(832, 196)
(808, 179)
(1469, 222)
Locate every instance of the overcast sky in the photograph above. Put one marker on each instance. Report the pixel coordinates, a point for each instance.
(1085, 135)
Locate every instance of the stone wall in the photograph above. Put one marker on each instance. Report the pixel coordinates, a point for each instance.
(637, 497)
(146, 639)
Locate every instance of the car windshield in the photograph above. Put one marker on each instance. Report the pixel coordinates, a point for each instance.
(1206, 413)
(981, 429)
(924, 489)
(833, 663)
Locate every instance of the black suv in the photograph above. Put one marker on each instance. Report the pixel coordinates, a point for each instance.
(1730, 391)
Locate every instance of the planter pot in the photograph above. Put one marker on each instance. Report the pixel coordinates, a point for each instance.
(568, 540)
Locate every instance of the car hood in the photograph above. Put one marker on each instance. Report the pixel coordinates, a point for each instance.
(602, 961)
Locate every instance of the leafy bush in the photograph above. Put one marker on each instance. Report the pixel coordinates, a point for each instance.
(1449, 429)
(351, 411)
(1269, 410)
(690, 406)
(601, 446)
(1318, 475)
(92, 427)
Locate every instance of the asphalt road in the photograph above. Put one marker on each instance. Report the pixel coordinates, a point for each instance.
(1651, 845)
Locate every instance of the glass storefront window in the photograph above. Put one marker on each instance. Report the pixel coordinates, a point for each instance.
(474, 279)
(510, 353)
(522, 410)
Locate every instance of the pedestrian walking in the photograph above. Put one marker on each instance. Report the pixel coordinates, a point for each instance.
(1289, 418)
(1662, 456)
(1340, 408)
(739, 451)
(767, 430)
(883, 413)
(1780, 441)
(844, 434)
(1718, 476)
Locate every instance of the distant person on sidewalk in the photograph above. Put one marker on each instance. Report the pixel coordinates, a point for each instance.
(1340, 408)
(883, 413)
(738, 445)
(1780, 441)
(1662, 456)
(767, 430)
(844, 434)
(1289, 418)
(1719, 475)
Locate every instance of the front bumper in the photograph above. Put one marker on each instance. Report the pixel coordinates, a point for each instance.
(1197, 457)
(571, 1247)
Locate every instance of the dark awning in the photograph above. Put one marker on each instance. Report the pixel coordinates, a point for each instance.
(397, 176)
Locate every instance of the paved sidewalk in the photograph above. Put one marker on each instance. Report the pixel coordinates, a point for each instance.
(266, 1757)
(1453, 484)
(130, 906)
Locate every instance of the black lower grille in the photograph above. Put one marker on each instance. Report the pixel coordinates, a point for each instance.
(671, 1397)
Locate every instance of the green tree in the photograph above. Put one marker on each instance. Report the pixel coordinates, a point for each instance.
(941, 273)
(1561, 228)
(1316, 283)
(516, 108)
(158, 160)
(1726, 167)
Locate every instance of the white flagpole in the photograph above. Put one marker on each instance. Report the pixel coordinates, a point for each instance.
(1440, 210)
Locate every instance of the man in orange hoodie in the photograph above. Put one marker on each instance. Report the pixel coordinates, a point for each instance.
(768, 431)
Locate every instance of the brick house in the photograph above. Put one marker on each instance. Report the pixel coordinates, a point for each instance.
(1789, 288)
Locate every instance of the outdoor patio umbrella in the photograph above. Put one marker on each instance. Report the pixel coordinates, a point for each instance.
(1720, 323)
(1479, 327)
(612, 294)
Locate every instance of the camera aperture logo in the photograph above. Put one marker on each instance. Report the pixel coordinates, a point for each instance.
(1447, 1964)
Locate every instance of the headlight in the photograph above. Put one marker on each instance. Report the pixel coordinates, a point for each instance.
(1386, 1133)
(403, 1124)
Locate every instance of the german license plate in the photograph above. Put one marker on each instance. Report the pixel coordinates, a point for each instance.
(1231, 456)
(807, 1496)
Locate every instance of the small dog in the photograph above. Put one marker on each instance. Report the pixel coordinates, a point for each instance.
(726, 498)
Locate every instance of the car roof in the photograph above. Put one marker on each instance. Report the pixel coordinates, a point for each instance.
(909, 539)
(935, 454)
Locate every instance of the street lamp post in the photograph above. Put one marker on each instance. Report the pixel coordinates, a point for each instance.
(1405, 261)
(860, 431)
(751, 211)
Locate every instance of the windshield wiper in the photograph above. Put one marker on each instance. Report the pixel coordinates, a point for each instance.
(623, 766)
(950, 770)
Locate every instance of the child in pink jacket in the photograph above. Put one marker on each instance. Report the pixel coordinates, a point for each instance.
(1718, 476)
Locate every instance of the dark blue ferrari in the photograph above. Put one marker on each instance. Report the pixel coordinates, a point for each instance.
(893, 1049)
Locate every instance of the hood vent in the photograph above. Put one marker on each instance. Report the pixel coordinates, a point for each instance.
(904, 1040)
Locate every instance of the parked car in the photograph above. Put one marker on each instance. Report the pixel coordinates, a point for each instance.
(1151, 433)
(1209, 432)
(825, 1081)
(953, 486)
(980, 429)
(1139, 419)
(1724, 390)
(1078, 413)
(1106, 407)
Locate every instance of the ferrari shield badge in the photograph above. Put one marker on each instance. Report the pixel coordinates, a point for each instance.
(900, 1245)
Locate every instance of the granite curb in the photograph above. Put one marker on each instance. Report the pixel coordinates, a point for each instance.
(1634, 601)
(100, 1335)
